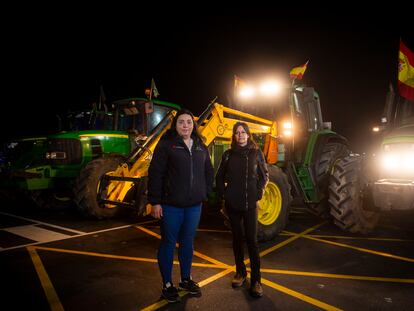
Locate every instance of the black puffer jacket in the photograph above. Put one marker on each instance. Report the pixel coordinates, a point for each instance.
(242, 177)
(177, 176)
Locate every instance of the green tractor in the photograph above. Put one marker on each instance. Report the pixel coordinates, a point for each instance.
(47, 168)
(361, 188)
(307, 152)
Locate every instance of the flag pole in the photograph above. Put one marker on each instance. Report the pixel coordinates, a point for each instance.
(150, 96)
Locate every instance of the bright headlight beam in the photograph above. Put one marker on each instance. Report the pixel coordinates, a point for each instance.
(247, 92)
(270, 88)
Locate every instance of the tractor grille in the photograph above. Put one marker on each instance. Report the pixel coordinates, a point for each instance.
(71, 147)
(96, 148)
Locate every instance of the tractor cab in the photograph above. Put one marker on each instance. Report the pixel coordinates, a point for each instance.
(138, 115)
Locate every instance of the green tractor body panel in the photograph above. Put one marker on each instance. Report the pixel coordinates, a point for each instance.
(56, 160)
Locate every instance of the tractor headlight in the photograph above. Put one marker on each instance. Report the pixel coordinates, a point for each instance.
(247, 92)
(287, 129)
(398, 158)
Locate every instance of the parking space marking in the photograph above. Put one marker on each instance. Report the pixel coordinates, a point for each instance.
(75, 236)
(43, 223)
(92, 254)
(196, 253)
(35, 233)
(230, 269)
(51, 295)
(214, 230)
(293, 238)
(55, 303)
(201, 230)
(347, 237)
(300, 296)
(142, 259)
(365, 250)
(338, 276)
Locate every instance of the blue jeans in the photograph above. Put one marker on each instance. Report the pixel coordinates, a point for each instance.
(178, 224)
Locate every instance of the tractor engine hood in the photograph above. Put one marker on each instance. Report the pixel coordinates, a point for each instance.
(403, 134)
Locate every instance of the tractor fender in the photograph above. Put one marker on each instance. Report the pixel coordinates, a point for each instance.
(322, 140)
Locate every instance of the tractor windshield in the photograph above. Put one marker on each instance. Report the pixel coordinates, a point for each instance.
(88, 120)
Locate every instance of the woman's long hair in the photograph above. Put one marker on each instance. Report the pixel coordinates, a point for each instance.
(172, 132)
(250, 142)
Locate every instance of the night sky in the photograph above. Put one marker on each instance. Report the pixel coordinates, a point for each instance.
(55, 64)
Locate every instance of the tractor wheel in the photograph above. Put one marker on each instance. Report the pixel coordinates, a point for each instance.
(87, 185)
(350, 197)
(330, 154)
(274, 206)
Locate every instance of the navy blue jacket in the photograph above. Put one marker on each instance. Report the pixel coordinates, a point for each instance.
(177, 176)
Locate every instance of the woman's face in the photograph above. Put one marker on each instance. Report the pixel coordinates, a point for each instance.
(241, 136)
(184, 126)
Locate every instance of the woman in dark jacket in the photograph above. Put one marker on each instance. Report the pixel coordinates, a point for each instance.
(179, 178)
(240, 180)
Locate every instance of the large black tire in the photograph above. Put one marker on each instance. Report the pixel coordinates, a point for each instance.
(350, 197)
(86, 188)
(274, 206)
(331, 152)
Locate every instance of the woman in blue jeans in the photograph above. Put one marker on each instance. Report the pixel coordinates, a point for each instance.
(179, 178)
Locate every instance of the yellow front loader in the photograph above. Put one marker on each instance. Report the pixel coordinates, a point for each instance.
(122, 183)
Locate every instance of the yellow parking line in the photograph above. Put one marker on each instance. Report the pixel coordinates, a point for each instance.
(338, 276)
(287, 233)
(69, 251)
(51, 295)
(196, 253)
(141, 259)
(146, 222)
(357, 238)
(300, 296)
(214, 230)
(161, 303)
(283, 289)
(362, 249)
(201, 230)
(293, 238)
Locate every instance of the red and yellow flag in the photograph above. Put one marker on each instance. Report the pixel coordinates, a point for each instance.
(298, 72)
(406, 72)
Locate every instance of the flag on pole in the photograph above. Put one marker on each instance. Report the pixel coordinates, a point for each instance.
(298, 72)
(154, 89)
(102, 98)
(406, 72)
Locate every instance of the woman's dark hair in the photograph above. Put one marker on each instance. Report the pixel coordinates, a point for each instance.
(250, 141)
(173, 129)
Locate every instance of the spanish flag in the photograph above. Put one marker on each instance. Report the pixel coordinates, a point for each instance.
(298, 72)
(406, 72)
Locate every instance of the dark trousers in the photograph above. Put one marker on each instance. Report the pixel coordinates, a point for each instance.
(247, 222)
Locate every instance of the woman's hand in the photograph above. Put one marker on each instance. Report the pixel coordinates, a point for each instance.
(156, 211)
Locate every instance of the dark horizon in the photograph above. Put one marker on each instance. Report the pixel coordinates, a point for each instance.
(352, 61)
